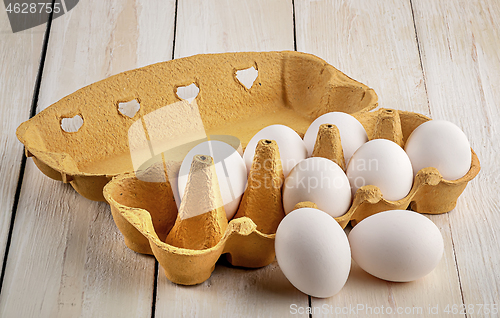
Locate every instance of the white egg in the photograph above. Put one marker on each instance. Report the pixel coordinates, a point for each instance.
(321, 181)
(442, 145)
(382, 163)
(313, 252)
(352, 132)
(291, 146)
(396, 245)
(229, 167)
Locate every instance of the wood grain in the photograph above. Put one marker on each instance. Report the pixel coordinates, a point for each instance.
(459, 48)
(67, 257)
(375, 43)
(233, 26)
(231, 292)
(222, 26)
(370, 41)
(119, 36)
(19, 57)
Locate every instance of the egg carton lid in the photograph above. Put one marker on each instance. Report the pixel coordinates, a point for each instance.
(87, 137)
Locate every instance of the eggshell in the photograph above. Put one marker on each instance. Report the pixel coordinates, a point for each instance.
(229, 167)
(313, 252)
(321, 181)
(442, 145)
(352, 132)
(382, 163)
(291, 147)
(396, 245)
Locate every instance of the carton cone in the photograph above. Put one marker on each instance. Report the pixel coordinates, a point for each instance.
(262, 201)
(388, 126)
(328, 145)
(201, 221)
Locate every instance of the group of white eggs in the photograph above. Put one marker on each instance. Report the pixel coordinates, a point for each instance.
(312, 249)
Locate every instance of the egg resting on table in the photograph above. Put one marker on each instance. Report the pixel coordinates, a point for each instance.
(396, 245)
(313, 252)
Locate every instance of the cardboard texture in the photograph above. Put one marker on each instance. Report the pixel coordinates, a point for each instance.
(291, 89)
(305, 204)
(262, 201)
(328, 145)
(201, 221)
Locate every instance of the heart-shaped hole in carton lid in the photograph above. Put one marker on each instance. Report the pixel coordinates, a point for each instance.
(72, 124)
(129, 108)
(188, 93)
(247, 76)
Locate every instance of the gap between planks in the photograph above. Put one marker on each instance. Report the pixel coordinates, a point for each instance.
(34, 103)
(175, 28)
(419, 53)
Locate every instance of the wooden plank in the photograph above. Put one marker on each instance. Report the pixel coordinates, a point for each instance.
(221, 26)
(67, 257)
(231, 292)
(375, 43)
(20, 57)
(370, 41)
(230, 26)
(459, 48)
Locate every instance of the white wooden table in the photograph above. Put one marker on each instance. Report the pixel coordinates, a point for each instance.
(63, 256)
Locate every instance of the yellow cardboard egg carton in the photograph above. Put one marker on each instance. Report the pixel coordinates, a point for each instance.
(291, 88)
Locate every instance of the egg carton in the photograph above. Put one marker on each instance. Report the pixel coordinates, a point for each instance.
(286, 86)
